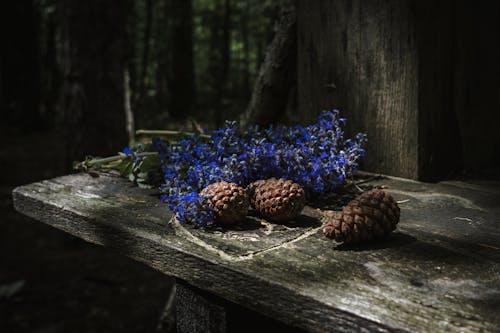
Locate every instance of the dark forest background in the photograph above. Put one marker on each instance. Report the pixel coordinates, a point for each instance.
(89, 69)
(160, 62)
(181, 58)
(77, 78)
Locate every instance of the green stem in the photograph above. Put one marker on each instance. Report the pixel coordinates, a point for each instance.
(109, 159)
(167, 133)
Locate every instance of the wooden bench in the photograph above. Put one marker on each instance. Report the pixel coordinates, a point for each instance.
(439, 272)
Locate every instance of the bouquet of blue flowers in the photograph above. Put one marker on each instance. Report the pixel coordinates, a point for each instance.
(317, 157)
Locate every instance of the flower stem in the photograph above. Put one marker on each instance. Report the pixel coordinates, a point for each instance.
(167, 133)
(118, 157)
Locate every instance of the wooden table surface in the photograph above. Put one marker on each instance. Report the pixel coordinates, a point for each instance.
(440, 271)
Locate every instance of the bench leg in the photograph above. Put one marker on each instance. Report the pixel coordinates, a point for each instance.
(189, 309)
(197, 311)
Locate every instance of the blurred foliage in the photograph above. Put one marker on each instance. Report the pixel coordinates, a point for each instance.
(228, 36)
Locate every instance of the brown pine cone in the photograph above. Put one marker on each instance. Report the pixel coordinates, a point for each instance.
(370, 215)
(228, 200)
(278, 200)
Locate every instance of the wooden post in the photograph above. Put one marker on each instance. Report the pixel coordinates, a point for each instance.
(197, 311)
(391, 66)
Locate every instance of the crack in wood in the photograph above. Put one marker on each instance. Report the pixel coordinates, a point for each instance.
(236, 258)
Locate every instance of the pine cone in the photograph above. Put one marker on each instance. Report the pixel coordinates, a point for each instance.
(278, 200)
(370, 215)
(228, 200)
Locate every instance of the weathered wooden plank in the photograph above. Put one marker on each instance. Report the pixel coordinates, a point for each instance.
(439, 272)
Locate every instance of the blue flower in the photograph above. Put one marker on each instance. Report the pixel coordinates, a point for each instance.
(315, 156)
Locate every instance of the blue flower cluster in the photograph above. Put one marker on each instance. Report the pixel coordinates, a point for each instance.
(317, 157)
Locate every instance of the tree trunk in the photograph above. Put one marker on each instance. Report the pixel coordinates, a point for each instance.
(145, 52)
(20, 63)
(132, 52)
(182, 71)
(273, 84)
(246, 50)
(3, 110)
(50, 71)
(226, 42)
(129, 115)
(93, 64)
(162, 57)
(220, 56)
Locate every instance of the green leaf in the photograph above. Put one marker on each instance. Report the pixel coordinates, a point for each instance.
(125, 166)
(150, 163)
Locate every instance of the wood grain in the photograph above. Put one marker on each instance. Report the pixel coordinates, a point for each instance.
(438, 272)
(421, 78)
(361, 57)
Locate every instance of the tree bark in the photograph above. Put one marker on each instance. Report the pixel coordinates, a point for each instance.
(220, 56)
(3, 111)
(129, 115)
(246, 50)
(93, 64)
(182, 72)
(162, 56)
(145, 51)
(226, 42)
(50, 71)
(273, 84)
